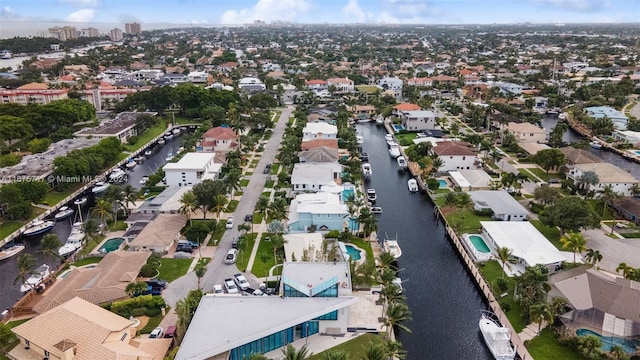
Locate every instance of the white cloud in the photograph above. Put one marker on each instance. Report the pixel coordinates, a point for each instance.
(579, 5)
(82, 15)
(354, 12)
(268, 10)
(407, 12)
(82, 3)
(6, 12)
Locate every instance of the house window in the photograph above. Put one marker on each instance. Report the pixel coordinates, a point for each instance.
(27, 342)
(46, 354)
(464, 157)
(124, 336)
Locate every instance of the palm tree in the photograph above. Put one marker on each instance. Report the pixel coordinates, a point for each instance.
(115, 195)
(136, 287)
(589, 346)
(219, 203)
(233, 179)
(376, 351)
(436, 164)
(91, 228)
(574, 242)
(102, 210)
(504, 257)
(395, 350)
(290, 353)
(277, 243)
(334, 355)
(199, 271)
(262, 204)
(608, 197)
(387, 261)
(449, 200)
(26, 266)
(189, 204)
(130, 195)
(593, 257)
(617, 352)
(50, 245)
(397, 313)
(539, 313)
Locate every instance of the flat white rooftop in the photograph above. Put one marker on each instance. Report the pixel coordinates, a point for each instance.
(192, 161)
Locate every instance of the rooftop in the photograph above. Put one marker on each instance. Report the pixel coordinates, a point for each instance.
(115, 126)
(499, 201)
(608, 173)
(191, 161)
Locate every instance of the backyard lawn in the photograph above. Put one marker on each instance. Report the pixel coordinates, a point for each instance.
(354, 349)
(87, 261)
(546, 347)
(171, 269)
(551, 233)
(491, 271)
(264, 257)
(8, 227)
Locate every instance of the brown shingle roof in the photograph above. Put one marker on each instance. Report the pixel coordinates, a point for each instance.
(450, 148)
(161, 232)
(406, 107)
(311, 144)
(578, 156)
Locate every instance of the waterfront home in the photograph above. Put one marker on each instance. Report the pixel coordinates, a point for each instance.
(627, 136)
(469, 180)
(316, 85)
(319, 155)
(159, 235)
(628, 208)
(104, 283)
(220, 139)
(455, 155)
(527, 133)
(501, 203)
(618, 118)
(363, 111)
(528, 246)
(80, 330)
(416, 120)
(573, 156)
(122, 127)
(312, 177)
(605, 302)
(191, 169)
(319, 130)
(324, 210)
(398, 109)
(342, 85)
(608, 175)
(167, 202)
(312, 144)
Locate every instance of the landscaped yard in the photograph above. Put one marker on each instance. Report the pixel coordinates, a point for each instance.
(8, 227)
(87, 261)
(492, 270)
(152, 323)
(245, 254)
(53, 197)
(147, 136)
(529, 175)
(90, 246)
(546, 347)
(551, 233)
(354, 349)
(264, 257)
(465, 220)
(171, 269)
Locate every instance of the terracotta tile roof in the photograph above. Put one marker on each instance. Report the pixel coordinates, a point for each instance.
(106, 282)
(311, 144)
(219, 133)
(406, 107)
(315, 82)
(452, 148)
(34, 86)
(160, 232)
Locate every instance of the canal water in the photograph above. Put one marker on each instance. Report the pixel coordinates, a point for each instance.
(9, 292)
(443, 298)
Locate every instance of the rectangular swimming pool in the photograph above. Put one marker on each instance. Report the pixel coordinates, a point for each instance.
(478, 242)
(111, 245)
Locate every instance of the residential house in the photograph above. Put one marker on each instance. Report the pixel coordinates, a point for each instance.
(316, 85)
(319, 155)
(167, 202)
(469, 180)
(627, 136)
(416, 120)
(198, 77)
(420, 82)
(501, 203)
(573, 156)
(397, 110)
(342, 85)
(393, 84)
(311, 177)
(312, 144)
(323, 210)
(80, 330)
(191, 169)
(219, 139)
(527, 133)
(159, 235)
(363, 111)
(32, 93)
(618, 118)
(510, 88)
(455, 155)
(174, 78)
(319, 130)
(251, 84)
(629, 208)
(608, 175)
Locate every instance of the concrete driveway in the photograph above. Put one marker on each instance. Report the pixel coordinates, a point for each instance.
(217, 271)
(614, 251)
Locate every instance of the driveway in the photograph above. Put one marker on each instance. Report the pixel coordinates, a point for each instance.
(614, 251)
(217, 271)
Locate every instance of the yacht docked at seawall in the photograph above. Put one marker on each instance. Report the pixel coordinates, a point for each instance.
(402, 163)
(74, 241)
(366, 170)
(39, 275)
(412, 184)
(38, 227)
(10, 250)
(496, 336)
(394, 150)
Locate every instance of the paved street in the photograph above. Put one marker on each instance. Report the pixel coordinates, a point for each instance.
(614, 251)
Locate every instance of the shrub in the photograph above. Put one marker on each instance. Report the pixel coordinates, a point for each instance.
(484, 212)
(433, 184)
(333, 234)
(132, 306)
(132, 140)
(139, 311)
(503, 284)
(506, 307)
(10, 160)
(151, 312)
(148, 270)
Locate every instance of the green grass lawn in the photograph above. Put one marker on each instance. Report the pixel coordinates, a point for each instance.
(408, 136)
(264, 257)
(147, 136)
(53, 197)
(217, 234)
(12, 341)
(269, 184)
(151, 324)
(354, 349)
(546, 347)
(8, 227)
(243, 257)
(90, 246)
(257, 218)
(466, 220)
(87, 261)
(275, 168)
(172, 269)
(529, 175)
(491, 270)
(540, 173)
(370, 89)
(231, 206)
(244, 182)
(551, 233)
(365, 245)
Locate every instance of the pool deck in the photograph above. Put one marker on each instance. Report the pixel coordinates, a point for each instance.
(108, 236)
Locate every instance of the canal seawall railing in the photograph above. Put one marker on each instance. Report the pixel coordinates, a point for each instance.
(470, 264)
(83, 189)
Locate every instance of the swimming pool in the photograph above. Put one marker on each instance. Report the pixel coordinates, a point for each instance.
(397, 127)
(610, 341)
(353, 252)
(443, 183)
(66, 272)
(637, 152)
(479, 244)
(111, 245)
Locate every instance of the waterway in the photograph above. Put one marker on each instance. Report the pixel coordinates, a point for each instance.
(10, 292)
(443, 298)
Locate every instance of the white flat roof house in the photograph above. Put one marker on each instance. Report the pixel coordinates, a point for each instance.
(503, 205)
(192, 169)
(469, 180)
(414, 120)
(313, 176)
(608, 174)
(324, 210)
(319, 130)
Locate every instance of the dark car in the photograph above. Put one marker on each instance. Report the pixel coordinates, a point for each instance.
(234, 242)
(184, 248)
(248, 218)
(157, 283)
(266, 169)
(192, 244)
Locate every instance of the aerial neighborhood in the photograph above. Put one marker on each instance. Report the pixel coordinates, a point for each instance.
(284, 191)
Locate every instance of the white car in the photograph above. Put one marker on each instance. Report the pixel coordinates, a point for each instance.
(229, 224)
(230, 285)
(156, 333)
(217, 289)
(242, 281)
(230, 258)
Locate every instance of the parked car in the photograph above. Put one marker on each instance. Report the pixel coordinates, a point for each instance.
(229, 224)
(231, 256)
(185, 243)
(156, 333)
(171, 331)
(266, 169)
(230, 285)
(217, 289)
(158, 283)
(234, 242)
(248, 218)
(242, 281)
(184, 248)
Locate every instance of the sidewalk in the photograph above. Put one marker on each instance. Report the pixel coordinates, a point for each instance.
(531, 331)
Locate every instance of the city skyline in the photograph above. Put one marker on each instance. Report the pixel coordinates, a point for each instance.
(204, 12)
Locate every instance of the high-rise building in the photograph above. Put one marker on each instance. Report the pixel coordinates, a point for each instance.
(132, 28)
(116, 34)
(63, 33)
(89, 32)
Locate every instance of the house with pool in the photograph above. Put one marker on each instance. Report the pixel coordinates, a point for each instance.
(159, 235)
(311, 177)
(502, 205)
(322, 210)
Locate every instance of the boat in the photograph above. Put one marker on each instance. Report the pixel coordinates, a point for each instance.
(99, 187)
(497, 337)
(39, 275)
(169, 156)
(38, 227)
(359, 139)
(139, 158)
(118, 175)
(394, 151)
(144, 180)
(148, 152)
(393, 248)
(398, 283)
(10, 250)
(379, 120)
(371, 195)
(63, 213)
(402, 163)
(391, 143)
(364, 156)
(180, 149)
(6, 55)
(74, 241)
(161, 141)
(562, 116)
(80, 201)
(388, 137)
(176, 131)
(131, 164)
(595, 145)
(412, 184)
(366, 170)
(376, 210)
(168, 136)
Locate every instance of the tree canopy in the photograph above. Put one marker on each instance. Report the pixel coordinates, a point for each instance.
(570, 213)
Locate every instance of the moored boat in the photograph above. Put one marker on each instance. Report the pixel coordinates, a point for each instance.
(80, 201)
(117, 175)
(161, 141)
(371, 195)
(39, 275)
(393, 248)
(595, 145)
(169, 156)
(74, 241)
(38, 227)
(63, 213)
(412, 184)
(10, 250)
(379, 120)
(402, 163)
(131, 164)
(394, 151)
(388, 137)
(99, 187)
(176, 131)
(148, 152)
(366, 170)
(376, 210)
(497, 337)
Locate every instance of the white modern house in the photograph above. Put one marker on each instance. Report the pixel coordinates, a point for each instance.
(416, 120)
(342, 85)
(455, 155)
(527, 133)
(251, 84)
(393, 84)
(192, 169)
(311, 177)
(608, 175)
(324, 210)
(319, 130)
(511, 88)
(198, 77)
(503, 205)
(618, 118)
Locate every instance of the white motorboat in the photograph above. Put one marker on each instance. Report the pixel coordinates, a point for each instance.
(63, 213)
(394, 151)
(169, 156)
(371, 195)
(388, 137)
(393, 248)
(366, 170)
(391, 143)
(99, 187)
(80, 201)
(131, 164)
(379, 120)
(74, 241)
(139, 159)
(176, 131)
(38, 227)
(10, 250)
(168, 136)
(6, 54)
(144, 180)
(364, 156)
(148, 153)
(595, 145)
(117, 175)
(412, 184)
(402, 163)
(497, 337)
(376, 210)
(39, 275)
(161, 141)
(359, 139)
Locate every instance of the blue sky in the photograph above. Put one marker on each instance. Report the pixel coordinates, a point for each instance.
(321, 11)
